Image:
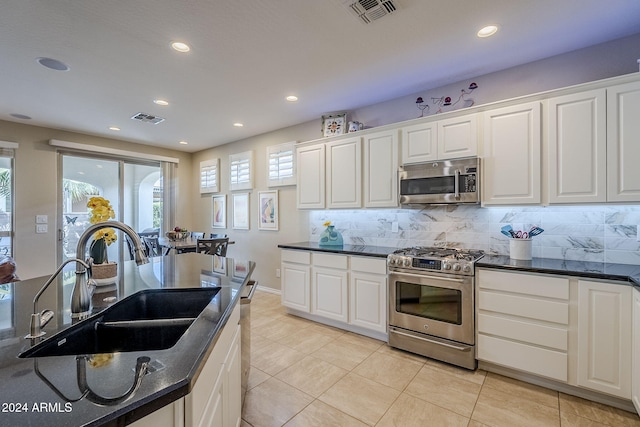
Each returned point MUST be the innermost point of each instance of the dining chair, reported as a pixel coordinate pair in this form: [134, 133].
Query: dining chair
[218, 236]
[212, 246]
[197, 235]
[153, 247]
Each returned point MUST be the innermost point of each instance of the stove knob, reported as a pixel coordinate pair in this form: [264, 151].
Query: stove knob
[456, 267]
[446, 266]
[407, 262]
[467, 269]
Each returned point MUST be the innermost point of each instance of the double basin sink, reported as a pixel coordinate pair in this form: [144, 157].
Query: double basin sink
[153, 319]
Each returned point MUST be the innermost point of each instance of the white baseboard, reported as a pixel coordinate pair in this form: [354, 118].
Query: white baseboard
[269, 290]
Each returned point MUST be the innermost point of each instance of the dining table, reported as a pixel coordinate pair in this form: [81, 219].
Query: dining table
[180, 246]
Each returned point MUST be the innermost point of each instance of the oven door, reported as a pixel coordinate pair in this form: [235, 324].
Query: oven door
[433, 304]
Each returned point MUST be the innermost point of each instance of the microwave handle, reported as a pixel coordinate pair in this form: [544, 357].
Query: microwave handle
[456, 184]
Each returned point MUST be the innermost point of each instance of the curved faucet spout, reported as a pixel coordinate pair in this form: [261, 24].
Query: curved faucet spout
[81, 297]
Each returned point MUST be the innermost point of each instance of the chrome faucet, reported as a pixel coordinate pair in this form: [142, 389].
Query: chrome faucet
[83, 287]
[81, 297]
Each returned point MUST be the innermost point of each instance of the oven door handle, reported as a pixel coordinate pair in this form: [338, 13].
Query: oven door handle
[425, 276]
[455, 347]
[456, 184]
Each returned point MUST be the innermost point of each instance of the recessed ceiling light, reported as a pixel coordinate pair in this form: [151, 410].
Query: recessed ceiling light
[114, 128]
[292, 98]
[180, 47]
[53, 64]
[20, 116]
[488, 31]
[161, 102]
[183, 142]
[238, 125]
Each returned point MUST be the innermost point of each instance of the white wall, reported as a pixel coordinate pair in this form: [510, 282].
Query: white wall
[598, 62]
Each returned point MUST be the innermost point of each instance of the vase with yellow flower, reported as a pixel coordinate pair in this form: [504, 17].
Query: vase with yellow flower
[330, 236]
[102, 211]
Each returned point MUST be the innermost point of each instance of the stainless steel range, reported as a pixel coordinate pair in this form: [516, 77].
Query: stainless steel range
[431, 303]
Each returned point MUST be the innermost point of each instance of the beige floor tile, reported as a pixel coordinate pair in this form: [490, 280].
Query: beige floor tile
[401, 354]
[361, 341]
[273, 403]
[306, 340]
[319, 414]
[572, 420]
[281, 327]
[476, 376]
[598, 412]
[274, 357]
[474, 423]
[505, 409]
[343, 354]
[533, 393]
[360, 397]
[409, 411]
[445, 390]
[311, 375]
[388, 370]
[256, 376]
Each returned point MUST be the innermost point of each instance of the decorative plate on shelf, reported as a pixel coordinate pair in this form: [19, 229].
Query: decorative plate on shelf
[334, 124]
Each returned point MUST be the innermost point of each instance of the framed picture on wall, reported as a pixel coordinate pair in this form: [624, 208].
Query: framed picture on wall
[268, 205]
[241, 211]
[219, 211]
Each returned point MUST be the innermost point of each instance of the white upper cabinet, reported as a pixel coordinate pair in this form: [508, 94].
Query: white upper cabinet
[623, 147]
[419, 143]
[458, 137]
[577, 147]
[381, 169]
[311, 173]
[511, 155]
[344, 173]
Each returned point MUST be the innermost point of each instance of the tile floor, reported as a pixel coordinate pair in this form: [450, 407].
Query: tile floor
[306, 374]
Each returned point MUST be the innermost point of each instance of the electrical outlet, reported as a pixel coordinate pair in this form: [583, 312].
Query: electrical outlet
[277, 272]
[638, 232]
[41, 228]
[394, 227]
[42, 219]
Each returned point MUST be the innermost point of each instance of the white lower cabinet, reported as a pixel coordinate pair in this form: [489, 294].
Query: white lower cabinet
[635, 352]
[604, 337]
[344, 290]
[215, 399]
[523, 322]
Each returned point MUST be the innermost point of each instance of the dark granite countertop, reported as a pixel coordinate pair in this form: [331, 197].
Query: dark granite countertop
[362, 250]
[595, 270]
[44, 391]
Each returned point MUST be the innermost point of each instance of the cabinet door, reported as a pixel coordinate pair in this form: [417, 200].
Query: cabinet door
[419, 143]
[344, 173]
[623, 149]
[232, 387]
[458, 137]
[511, 155]
[577, 148]
[635, 354]
[381, 169]
[368, 301]
[604, 337]
[311, 176]
[295, 286]
[329, 290]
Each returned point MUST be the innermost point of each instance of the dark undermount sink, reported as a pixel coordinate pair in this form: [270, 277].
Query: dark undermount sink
[152, 319]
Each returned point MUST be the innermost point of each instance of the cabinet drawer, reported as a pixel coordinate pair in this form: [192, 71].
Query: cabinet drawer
[536, 360]
[532, 308]
[531, 333]
[299, 257]
[369, 265]
[331, 261]
[529, 284]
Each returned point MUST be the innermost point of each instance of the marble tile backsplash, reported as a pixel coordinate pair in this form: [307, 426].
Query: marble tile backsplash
[604, 233]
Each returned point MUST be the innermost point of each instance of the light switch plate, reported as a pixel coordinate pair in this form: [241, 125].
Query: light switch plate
[394, 227]
[42, 219]
[41, 228]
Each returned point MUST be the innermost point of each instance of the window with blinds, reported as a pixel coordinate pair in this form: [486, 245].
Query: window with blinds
[241, 171]
[209, 174]
[281, 164]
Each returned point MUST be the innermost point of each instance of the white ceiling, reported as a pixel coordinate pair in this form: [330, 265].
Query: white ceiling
[247, 55]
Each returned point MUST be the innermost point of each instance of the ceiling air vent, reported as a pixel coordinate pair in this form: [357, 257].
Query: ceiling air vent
[147, 118]
[370, 10]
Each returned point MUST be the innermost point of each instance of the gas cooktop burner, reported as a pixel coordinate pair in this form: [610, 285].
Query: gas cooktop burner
[447, 260]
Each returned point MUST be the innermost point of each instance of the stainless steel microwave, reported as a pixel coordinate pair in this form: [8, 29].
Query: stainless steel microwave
[446, 181]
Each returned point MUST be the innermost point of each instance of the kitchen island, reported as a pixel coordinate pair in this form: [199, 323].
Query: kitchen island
[45, 390]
